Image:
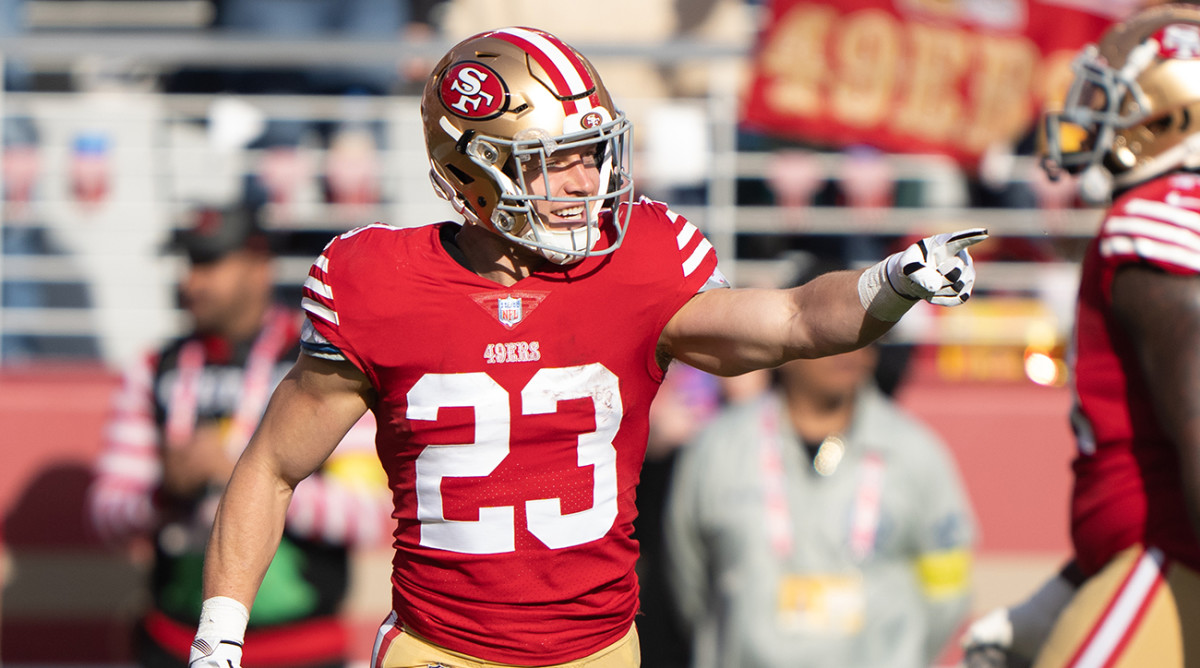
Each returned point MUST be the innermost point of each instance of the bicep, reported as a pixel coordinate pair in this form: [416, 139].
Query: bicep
[313, 407]
[727, 332]
[1161, 314]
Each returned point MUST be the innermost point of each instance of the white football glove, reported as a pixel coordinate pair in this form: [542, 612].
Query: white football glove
[218, 642]
[937, 269]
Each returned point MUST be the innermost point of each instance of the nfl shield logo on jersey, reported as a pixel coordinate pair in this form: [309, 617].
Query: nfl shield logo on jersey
[509, 310]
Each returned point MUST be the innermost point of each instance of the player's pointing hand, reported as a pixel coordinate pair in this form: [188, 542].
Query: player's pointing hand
[937, 269]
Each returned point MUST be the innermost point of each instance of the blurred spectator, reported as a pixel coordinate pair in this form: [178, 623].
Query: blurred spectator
[20, 167]
[352, 166]
[819, 524]
[18, 130]
[686, 401]
[180, 421]
[630, 80]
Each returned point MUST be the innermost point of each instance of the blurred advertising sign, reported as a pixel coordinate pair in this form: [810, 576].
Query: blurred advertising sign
[950, 77]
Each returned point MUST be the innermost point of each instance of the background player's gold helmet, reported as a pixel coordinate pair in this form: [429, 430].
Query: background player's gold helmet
[502, 98]
[1133, 109]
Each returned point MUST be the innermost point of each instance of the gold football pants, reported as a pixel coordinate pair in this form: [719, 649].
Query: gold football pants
[398, 647]
[1142, 609]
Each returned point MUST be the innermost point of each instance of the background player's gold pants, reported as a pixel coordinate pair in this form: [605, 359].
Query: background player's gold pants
[1141, 610]
[407, 650]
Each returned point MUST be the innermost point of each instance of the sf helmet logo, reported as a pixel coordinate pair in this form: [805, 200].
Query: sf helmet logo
[1180, 41]
[592, 120]
[474, 90]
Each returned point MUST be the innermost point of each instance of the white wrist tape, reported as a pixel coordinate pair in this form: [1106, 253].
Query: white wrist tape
[878, 297]
[223, 618]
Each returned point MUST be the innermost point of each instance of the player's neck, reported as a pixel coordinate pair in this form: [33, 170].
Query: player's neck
[493, 257]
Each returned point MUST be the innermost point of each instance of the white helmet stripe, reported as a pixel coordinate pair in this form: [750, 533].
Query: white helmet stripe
[567, 73]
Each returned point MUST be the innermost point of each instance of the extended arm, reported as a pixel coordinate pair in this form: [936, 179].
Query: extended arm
[1161, 313]
[729, 332]
[309, 413]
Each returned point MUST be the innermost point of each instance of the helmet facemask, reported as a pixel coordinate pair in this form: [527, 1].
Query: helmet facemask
[1100, 102]
[532, 155]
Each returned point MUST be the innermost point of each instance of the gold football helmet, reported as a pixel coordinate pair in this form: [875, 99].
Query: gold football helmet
[503, 98]
[1133, 109]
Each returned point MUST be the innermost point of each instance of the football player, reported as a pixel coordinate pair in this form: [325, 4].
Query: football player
[1130, 124]
[511, 360]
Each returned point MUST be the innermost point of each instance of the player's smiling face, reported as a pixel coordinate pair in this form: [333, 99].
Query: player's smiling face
[569, 174]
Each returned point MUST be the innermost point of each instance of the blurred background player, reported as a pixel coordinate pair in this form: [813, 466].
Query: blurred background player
[819, 524]
[1128, 128]
[180, 421]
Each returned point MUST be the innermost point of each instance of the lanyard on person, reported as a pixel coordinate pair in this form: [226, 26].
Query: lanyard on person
[865, 515]
[864, 525]
[183, 410]
[778, 520]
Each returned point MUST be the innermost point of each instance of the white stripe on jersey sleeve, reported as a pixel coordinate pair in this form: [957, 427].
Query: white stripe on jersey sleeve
[322, 263]
[1150, 249]
[1163, 211]
[685, 235]
[702, 250]
[313, 307]
[1154, 229]
[318, 287]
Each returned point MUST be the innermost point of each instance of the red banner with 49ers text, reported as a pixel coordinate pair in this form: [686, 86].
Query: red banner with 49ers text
[915, 76]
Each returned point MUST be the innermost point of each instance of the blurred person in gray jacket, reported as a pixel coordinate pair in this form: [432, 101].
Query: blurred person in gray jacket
[819, 525]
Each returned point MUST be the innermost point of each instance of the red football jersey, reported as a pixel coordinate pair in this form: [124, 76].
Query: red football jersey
[512, 425]
[1127, 483]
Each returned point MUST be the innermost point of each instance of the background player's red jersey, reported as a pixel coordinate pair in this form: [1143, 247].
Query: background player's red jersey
[512, 425]
[1128, 487]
